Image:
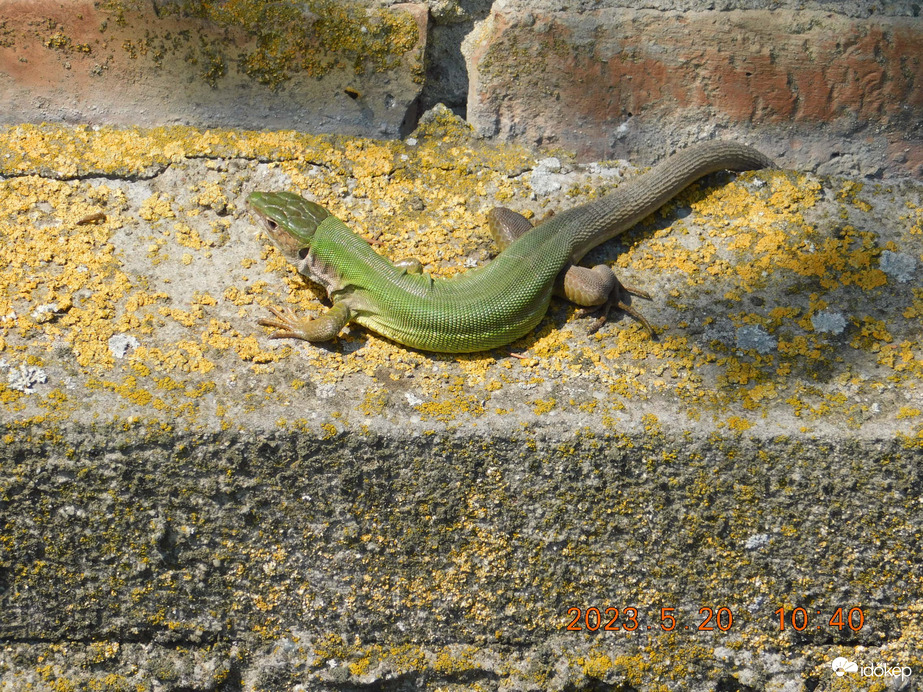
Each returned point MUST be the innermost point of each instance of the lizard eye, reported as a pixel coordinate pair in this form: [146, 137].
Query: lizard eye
[271, 224]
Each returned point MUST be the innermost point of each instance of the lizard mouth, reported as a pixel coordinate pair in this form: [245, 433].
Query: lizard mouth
[268, 223]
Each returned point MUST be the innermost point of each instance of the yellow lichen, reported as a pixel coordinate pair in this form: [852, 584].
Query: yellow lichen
[155, 208]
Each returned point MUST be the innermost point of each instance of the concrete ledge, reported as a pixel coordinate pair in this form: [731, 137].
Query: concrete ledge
[188, 505]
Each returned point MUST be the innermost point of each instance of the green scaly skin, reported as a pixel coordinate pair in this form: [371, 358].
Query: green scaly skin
[482, 308]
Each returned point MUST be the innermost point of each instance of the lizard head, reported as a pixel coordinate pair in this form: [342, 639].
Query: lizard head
[289, 220]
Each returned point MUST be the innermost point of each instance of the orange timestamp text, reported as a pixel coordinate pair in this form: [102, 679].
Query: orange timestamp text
[629, 619]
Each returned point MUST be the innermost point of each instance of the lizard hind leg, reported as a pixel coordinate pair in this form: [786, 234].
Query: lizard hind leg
[599, 290]
[410, 265]
[506, 226]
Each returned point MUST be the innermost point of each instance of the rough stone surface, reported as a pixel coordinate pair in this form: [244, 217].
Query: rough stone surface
[828, 86]
[823, 90]
[187, 505]
[334, 70]
[446, 72]
[848, 8]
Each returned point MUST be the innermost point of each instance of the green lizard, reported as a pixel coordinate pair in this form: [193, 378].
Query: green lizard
[484, 307]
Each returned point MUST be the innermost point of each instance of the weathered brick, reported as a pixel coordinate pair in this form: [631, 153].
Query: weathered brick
[356, 71]
[618, 81]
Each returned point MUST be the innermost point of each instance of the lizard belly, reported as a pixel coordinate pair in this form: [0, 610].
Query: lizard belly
[455, 327]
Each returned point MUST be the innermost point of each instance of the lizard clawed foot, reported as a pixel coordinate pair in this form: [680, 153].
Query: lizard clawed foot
[286, 322]
[322, 328]
[615, 300]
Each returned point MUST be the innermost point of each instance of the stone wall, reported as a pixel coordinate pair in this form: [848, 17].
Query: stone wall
[317, 66]
[825, 86]
[815, 86]
[187, 505]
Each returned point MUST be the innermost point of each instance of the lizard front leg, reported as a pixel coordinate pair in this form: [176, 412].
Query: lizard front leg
[322, 328]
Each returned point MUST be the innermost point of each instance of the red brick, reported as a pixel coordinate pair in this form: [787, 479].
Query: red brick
[73, 61]
[546, 77]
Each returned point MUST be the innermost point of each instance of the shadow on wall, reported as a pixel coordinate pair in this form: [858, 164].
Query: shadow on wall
[446, 71]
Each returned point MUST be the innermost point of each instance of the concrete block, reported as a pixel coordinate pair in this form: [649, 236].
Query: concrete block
[188, 505]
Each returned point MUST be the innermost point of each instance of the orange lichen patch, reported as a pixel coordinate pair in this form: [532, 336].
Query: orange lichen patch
[186, 356]
[187, 236]
[128, 389]
[542, 406]
[760, 394]
[872, 335]
[371, 160]
[867, 280]
[916, 227]
[235, 295]
[845, 260]
[187, 318]
[210, 196]
[551, 343]
[476, 367]
[849, 192]
[454, 399]
[779, 314]
[738, 424]
[35, 148]
[738, 221]
[838, 261]
[140, 299]
[905, 357]
[220, 335]
[51, 263]
[63, 151]
[204, 299]
[798, 345]
[737, 372]
[156, 207]
[249, 349]
[915, 310]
